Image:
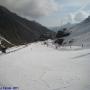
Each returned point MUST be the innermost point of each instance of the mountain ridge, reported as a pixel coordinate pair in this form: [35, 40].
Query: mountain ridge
[19, 30]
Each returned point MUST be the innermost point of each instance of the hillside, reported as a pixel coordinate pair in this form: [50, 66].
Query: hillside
[19, 30]
[80, 34]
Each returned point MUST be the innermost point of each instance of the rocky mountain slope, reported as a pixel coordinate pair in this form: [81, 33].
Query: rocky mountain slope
[18, 30]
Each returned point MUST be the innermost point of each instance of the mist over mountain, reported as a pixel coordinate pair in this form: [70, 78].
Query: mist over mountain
[60, 28]
[18, 30]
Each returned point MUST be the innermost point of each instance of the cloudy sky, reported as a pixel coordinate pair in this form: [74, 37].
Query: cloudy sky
[50, 12]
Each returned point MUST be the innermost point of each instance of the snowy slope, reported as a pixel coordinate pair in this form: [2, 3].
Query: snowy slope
[38, 67]
[80, 33]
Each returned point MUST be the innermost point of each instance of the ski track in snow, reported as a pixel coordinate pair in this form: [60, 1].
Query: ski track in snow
[38, 67]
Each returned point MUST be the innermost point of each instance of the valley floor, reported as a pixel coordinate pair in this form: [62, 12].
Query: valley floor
[38, 67]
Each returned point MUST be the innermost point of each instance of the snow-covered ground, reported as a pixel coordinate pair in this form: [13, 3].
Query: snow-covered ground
[38, 67]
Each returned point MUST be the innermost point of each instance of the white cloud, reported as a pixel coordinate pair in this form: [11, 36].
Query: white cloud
[76, 17]
[79, 1]
[80, 16]
[31, 8]
[70, 18]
